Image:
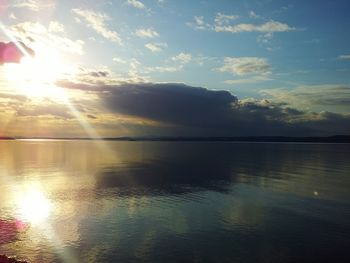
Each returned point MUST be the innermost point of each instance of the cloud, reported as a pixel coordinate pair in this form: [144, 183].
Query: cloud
[183, 58]
[164, 69]
[199, 23]
[331, 97]
[12, 53]
[38, 32]
[10, 96]
[136, 4]
[97, 21]
[268, 27]
[222, 24]
[53, 110]
[253, 79]
[56, 27]
[156, 47]
[146, 33]
[222, 19]
[197, 111]
[34, 5]
[344, 57]
[245, 65]
[253, 15]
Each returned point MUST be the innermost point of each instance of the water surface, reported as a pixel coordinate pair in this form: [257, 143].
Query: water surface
[86, 201]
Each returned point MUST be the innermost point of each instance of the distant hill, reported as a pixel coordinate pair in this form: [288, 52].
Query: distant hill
[6, 138]
[330, 139]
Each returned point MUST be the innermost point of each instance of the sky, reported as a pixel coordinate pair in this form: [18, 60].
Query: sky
[174, 68]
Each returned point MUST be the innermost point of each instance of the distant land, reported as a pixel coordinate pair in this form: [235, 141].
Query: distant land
[330, 139]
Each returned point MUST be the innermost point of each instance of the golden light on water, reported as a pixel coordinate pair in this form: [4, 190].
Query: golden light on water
[34, 207]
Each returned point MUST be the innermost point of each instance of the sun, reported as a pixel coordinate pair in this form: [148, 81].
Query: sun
[35, 76]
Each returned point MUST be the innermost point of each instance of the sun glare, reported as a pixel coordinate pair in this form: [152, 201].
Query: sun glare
[36, 76]
[34, 207]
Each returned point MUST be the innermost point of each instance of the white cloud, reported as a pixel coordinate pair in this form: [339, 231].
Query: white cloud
[222, 24]
[119, 60]
[156, 47]
[146, 33]
[97, 21]
[245, 65]
[253, 15]
[199, 23]
[136, 4]
[222, 19]
[268, 27]
[164, 69]
[33, 5]
[344, 57]
[56, 27]
[12, 16]
[40, 33]
[183, 58]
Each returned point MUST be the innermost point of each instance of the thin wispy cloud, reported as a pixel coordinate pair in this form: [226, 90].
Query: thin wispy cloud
[146, 33]
[33, 5]
[344, 57]
[268, 27]
[222, 19]
[136, 4]
[245, 65]
[97, 21]
[251, 80]
[156, 47]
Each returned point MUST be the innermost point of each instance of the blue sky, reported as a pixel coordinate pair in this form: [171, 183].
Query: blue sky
[264, 49]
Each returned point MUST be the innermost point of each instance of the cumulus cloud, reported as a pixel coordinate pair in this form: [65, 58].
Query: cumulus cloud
[156, 47]
[245, 65]
[182, 57]
[97, 21]
[146, 33]
[12, 53]
[56, 27]
[136, 4]
[331, 97]
[38, 32]
[199, 111]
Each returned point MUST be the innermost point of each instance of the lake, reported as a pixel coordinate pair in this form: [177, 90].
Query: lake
[109, 201]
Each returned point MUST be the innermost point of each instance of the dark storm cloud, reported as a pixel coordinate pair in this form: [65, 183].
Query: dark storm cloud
[199, 111]
[11, 53]
[171, 103]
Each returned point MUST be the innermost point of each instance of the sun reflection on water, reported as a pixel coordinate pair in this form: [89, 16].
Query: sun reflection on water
[34, 206]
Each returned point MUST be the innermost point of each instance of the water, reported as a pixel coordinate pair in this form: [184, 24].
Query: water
[83, 201]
